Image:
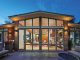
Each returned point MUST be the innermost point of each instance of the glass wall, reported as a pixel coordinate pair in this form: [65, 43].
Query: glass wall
[41, 34]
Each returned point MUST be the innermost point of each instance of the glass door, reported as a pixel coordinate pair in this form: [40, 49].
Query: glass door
[52, 39]
[44, 39]
[59, 39]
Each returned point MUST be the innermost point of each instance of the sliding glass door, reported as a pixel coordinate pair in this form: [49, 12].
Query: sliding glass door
[43, 39]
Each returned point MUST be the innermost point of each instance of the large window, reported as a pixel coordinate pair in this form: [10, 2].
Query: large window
[41, 34]
[21, 39]
[52, 22]
[36, 22]
[29, 22]
[44, 21]
[59, 23]
[21, 23]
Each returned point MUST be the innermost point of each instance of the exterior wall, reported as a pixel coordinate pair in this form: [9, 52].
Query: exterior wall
[11, 38]
[11, 33]
[1, 46]
[2, 41]
[66, 35]
[16, 38]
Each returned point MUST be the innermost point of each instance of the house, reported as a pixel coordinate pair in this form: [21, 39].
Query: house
[41, 30]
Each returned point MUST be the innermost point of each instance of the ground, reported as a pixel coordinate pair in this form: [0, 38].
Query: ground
[31, 56]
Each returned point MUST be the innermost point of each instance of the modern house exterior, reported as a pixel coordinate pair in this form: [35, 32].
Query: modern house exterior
[41, 30]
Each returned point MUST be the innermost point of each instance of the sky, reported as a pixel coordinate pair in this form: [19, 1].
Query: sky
[14, 7]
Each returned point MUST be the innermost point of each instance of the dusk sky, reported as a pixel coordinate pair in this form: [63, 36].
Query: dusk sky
[14, 7]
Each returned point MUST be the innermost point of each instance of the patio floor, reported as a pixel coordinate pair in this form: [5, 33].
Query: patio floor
[31, 56]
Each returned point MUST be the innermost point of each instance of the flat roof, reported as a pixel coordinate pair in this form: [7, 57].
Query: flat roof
[41, 14]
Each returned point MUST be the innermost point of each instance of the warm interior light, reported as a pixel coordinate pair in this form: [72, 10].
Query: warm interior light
[67, 18]
[65, 28]
[16, 28]
[15, 18]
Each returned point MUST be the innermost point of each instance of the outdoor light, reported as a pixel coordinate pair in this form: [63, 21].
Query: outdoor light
[67, 18]
[16, 28]
[16, 33]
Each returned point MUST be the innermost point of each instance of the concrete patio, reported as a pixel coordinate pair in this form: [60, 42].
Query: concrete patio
[31, 56]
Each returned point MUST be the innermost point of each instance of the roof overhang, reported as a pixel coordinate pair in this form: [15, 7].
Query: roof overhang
[74, 25]
[7, 26]
[41, 14]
